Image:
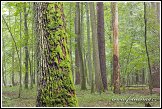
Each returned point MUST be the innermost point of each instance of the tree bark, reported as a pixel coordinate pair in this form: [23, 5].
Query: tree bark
[89, 46]
[20, 73]
[56, 88]
[96, 61]
[147, 53]
[13, 55]
[4, 62]
[71, 53]
[26, 47]
[77, 71]
[116, 67]
[81, 48]
[101, 43]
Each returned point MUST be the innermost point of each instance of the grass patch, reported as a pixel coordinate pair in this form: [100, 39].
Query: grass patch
[85, 98]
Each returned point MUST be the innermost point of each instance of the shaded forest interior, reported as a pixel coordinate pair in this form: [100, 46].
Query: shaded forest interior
[58, 54]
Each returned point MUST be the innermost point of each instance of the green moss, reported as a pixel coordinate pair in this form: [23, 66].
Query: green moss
[59, 89]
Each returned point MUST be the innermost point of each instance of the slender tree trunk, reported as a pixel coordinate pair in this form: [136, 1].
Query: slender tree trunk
[71, 41]
[111, 61]
[77, 71]
[33, 60]
[13, 55]
[31, 73]
[96, 61]
[147, 53]
[89, 46]
[20, 73]
[81, 48]
[13, 61]
[143, 76]
[101, 43]
[4, 62]
[56, 88]
[116, 67]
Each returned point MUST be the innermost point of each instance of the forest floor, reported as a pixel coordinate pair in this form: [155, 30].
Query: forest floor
[130, 97]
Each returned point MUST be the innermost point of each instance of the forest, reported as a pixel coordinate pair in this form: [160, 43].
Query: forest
[80, 54]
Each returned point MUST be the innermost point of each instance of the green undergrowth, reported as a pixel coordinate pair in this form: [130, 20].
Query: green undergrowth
[85, 98]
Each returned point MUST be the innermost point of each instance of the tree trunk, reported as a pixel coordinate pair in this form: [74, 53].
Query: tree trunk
[143, 76]
[96, 61]
[13, 55]
[26, 47]
[77, 71]
[147, 53]
[55, 87]
[101, 43]
[33, 60]
[20, 73]
[89, 46]
[4, 62]
[81, 48]
[116, 67]
[71, 41]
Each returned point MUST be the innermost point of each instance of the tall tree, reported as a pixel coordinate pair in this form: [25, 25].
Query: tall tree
[55, 87]
[80, 31]
[4, 63]
[77, 71]
[70, 11]
[116, 67]
[96, 62]
[26, 46]
[101, 43]
[147, 53]
[13, 58]
[88, 45]
[20, 73]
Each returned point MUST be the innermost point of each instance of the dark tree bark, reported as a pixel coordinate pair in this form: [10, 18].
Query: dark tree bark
[101, 43]
[77, 71]
[55, 88]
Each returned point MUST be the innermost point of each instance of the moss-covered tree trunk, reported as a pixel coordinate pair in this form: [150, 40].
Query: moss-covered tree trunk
[55, 86]
[116, 67]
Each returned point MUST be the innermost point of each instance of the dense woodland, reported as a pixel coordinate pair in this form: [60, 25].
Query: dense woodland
[61, 54]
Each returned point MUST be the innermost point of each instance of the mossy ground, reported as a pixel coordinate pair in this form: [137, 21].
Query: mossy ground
[85, 98]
